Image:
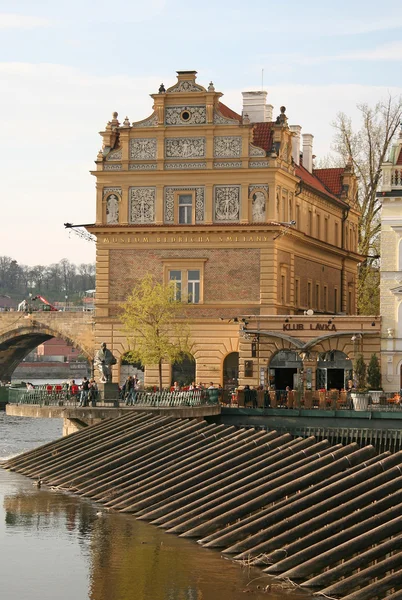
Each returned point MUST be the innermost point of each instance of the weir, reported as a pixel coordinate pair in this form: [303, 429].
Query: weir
[325, 516]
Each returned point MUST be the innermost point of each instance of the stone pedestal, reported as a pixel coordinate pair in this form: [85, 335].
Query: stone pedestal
[108, 391]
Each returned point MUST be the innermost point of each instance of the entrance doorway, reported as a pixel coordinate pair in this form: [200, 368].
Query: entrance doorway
[231, 371]
[335, 379]
[283, 370]
[184, 371]
[334, 369]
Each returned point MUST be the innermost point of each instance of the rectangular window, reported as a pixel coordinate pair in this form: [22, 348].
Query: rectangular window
[335, 300]
[325, 298]
[326, 229]
[283, 289]
[309, 294]
[310, 222]
[350, 301]
[336, 234]
[175, 278]
[317, 296]
[185, 209]
[318, 227]
[297, 292]
[193, 287]
[298, 222]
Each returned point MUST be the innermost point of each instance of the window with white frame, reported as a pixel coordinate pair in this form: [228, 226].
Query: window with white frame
[193, 286]
[185, 207]
[176, 280]
[187, 277]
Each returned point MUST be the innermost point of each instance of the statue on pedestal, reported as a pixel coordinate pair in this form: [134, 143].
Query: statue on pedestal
[104, 360]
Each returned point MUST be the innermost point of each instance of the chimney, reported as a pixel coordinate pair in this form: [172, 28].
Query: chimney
[296, 129]
[308, 151]
[255, 106]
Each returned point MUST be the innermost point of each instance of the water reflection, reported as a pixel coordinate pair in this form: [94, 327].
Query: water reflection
[110, 556]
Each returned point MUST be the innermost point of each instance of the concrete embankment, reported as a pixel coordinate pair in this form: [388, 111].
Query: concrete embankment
[328, 517]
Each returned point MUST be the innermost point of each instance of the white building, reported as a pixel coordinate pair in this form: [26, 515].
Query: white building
[391, 269]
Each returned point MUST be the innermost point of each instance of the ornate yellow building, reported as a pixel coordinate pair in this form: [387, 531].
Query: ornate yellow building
[223, 205]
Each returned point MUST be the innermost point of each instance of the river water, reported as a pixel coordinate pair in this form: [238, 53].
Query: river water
[55, 545]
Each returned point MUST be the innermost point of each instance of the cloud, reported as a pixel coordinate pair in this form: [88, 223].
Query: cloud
[15, 21]
[391, 51]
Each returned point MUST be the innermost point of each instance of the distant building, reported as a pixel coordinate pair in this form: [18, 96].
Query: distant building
[391, 268]
[7, 303]
[57, 349]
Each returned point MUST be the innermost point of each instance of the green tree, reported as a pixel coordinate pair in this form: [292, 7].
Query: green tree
[374, 373]
[360, 373]
[368, 147]
[154, 329]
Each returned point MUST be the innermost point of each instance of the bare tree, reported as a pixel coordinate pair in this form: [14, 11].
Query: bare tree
[368, 148]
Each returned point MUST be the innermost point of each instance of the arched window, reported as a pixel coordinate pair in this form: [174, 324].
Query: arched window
[130, 367]
[231, 371]
[183, 371]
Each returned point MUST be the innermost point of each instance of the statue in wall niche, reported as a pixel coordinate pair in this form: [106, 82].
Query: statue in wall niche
[258, 207]
[112, 209]
[103, 361]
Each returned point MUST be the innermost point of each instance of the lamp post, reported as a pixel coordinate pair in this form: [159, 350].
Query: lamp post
[66, 303]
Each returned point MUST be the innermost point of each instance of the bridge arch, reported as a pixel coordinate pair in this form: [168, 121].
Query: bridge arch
[21, 333]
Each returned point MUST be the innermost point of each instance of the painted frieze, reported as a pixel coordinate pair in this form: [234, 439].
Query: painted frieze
[143, 149]
[227, 203]
[227, 146]
[185, 115]
[189, 147]
[142, 204]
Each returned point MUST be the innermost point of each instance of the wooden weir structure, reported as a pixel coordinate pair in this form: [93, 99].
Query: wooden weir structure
[328, 517]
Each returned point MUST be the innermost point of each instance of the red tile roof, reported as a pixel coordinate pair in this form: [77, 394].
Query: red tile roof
[331, 179]
[399, 161]
[263, 135]
[311, 180]
[228, 112]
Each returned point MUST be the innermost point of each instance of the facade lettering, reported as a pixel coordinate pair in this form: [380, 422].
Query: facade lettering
[312, 326]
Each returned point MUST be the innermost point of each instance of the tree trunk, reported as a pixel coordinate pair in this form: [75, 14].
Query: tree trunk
[160, 375]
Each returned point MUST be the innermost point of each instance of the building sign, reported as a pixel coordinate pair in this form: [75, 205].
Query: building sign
[311, 326]
[196, 238]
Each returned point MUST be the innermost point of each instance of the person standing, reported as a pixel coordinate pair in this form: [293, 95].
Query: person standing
[84, 392]
[128, 390]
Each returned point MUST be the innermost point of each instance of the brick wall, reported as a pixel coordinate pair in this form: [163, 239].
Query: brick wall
[230, 274]
[309, 270]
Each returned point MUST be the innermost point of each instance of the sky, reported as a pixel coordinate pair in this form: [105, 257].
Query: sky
[66, 66]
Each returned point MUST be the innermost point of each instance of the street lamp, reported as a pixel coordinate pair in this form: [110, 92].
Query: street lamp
[66, 304]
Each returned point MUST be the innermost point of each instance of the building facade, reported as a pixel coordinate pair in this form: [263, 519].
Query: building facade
[391, 269]
[230, 209]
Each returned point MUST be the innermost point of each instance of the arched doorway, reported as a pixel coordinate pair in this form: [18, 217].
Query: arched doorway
[183, 371]
[231, 371]
[284, 369]
[130, 367]
[334, 369]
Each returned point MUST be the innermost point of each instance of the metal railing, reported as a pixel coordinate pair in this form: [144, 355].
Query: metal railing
[43, 395]
[185, 398]
[58, 395]
[317, 399]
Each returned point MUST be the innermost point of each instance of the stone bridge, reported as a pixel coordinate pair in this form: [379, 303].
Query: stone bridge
[21, 332]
